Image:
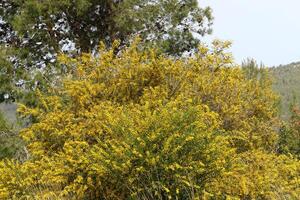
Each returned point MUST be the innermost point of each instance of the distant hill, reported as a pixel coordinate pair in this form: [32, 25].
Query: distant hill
[287, 84]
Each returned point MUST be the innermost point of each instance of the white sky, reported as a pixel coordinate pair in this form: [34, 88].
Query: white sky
[266, 30]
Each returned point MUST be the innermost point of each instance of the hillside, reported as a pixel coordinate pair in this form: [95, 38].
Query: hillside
[287, 84]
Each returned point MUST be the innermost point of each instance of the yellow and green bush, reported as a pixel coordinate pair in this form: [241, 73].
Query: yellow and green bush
[140, 125]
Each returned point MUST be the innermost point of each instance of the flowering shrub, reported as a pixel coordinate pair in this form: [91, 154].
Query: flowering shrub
[140, 125]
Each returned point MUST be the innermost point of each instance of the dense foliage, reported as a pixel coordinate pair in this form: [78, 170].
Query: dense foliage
[139, 125]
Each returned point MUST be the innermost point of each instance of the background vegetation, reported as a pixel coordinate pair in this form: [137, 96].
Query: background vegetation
[287, 85]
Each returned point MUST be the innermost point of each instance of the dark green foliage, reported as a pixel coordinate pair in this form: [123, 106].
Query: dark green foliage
[87, 22]
[11, 77]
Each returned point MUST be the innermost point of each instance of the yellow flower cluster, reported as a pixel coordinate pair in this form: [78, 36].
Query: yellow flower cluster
[140, 125]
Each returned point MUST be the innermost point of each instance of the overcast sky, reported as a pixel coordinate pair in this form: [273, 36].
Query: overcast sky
[266, 30]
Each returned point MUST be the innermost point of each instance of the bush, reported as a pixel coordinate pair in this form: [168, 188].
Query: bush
[139, 125]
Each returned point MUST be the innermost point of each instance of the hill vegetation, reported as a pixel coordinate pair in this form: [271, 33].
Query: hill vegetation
[287, 85]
